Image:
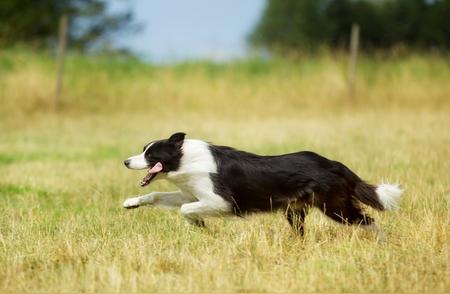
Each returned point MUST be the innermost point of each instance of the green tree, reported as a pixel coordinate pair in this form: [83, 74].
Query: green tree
[291, 24]
[304, 24]
[436, 25]
[36, 22]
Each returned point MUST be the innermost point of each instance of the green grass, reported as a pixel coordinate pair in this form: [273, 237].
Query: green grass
[62, 183]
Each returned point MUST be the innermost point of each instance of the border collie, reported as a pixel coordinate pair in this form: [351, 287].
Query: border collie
[219, 180]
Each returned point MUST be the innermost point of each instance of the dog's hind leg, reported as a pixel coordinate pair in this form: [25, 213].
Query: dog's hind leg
[349, 212]
[162, 199]
[346, 211]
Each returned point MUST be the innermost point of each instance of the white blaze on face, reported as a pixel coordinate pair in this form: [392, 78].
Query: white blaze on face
[139, 161]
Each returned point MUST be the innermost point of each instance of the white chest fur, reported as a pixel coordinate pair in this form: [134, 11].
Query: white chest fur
[197, 163]
[193, 176]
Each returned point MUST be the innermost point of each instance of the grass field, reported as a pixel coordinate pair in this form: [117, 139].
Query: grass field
[62, 183]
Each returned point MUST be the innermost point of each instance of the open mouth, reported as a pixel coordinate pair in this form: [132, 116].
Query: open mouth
[151, 174]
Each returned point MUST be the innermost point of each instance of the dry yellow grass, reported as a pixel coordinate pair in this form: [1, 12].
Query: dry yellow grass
[62, 228]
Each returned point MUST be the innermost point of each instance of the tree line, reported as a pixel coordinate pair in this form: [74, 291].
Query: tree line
[284, 24]
[306, 24]
[35, 22]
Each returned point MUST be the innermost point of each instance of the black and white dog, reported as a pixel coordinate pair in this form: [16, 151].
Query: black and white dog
[218, 180]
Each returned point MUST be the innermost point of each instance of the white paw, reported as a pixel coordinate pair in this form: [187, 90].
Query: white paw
[131, 203]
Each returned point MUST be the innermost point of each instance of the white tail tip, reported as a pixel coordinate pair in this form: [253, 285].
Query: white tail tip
[389, 195]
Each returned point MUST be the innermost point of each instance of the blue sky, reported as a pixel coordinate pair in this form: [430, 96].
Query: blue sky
[185, 29]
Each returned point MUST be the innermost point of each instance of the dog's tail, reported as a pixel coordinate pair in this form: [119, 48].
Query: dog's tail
[381, 197]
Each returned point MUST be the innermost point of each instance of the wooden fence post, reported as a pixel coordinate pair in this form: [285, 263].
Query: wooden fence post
[353, 59]
[62, 39]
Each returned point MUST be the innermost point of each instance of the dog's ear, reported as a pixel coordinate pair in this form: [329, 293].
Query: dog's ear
[177, 139]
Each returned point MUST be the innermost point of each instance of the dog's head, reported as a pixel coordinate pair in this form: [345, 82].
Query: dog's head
[160, 156]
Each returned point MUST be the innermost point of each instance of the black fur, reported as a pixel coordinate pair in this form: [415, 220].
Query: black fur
[292, 182]
[167, 151]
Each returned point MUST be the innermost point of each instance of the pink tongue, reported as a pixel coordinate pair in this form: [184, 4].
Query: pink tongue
[156, 168]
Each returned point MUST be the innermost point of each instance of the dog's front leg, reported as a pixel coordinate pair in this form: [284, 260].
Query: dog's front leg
[209, 203]
[163, 199]
[195, 212]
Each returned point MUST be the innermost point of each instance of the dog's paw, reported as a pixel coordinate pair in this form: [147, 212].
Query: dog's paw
[131, 203]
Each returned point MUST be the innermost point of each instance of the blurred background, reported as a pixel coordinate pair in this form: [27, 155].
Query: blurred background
[349, 45]
[84, 84]
[175, 30]
[94, 78]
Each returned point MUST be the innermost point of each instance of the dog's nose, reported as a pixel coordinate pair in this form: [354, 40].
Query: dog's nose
[126, 162]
